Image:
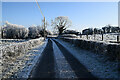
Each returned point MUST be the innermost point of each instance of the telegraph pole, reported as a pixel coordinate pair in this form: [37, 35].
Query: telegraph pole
[44, 29]
[43, 16]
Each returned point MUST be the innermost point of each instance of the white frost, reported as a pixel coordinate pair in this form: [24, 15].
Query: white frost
[93, 62]
[63, 67]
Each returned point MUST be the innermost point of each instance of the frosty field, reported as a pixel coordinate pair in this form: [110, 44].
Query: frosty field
[96, 63]
[14, 54]
[112, 37]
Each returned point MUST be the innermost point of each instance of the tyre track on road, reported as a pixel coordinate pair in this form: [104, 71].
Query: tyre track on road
[77, 67]
[57, 62]
[45, 67]
[63, 69]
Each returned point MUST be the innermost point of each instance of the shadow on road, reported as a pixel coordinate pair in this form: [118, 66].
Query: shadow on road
[45, 67]
[78, 68]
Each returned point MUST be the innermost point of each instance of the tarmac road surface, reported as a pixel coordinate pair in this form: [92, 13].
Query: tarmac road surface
[56, 62]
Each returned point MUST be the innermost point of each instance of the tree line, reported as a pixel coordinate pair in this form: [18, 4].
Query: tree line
[104, 30]
[60, 25]
[13, 31]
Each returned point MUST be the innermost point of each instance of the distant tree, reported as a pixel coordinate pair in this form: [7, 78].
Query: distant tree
[61, 23]
[88, 31]
[13, 31]
[23, 33]
[33, 32]
[1, 32]
[42, 28]
[115, 29]
[107, 28]
[39, 28]
[97, 31]
[71, 32]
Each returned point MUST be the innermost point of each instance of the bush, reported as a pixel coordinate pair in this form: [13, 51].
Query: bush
[13, 31]
[33, 32]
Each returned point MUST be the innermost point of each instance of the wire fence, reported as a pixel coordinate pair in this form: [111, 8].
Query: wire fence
[102, 37]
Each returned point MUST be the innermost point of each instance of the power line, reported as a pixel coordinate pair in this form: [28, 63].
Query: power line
[40, 8]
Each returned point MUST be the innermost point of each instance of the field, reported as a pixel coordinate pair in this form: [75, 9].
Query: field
[10, 41]
[14, 54]
[107, 38]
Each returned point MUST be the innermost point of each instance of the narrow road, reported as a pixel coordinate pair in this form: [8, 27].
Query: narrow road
[58, 62]
[45, 67]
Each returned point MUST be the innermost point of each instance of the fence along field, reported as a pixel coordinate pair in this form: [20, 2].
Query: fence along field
[112, 37]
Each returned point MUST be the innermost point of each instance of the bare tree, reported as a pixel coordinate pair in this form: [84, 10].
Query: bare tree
[61, 23]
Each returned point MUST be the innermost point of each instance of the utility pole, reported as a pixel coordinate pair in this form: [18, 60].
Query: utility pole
[44, 29]
[43, 16]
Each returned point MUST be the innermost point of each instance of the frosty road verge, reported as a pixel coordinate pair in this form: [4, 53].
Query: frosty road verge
[58, 62]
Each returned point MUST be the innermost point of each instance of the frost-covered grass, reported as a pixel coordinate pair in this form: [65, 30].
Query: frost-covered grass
[13, 55]
[98, 37]
[30, 59]
[97, 64]
[11, 41]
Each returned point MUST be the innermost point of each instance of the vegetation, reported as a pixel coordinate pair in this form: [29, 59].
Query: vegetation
[104, 30]
[61, 23]
[13, 31]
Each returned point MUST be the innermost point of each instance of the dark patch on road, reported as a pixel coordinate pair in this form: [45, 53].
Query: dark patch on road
[78, 68]
[45, 67]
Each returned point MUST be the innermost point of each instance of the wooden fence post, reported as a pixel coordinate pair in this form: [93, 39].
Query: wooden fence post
[102, 36]
[87, 36]
[94, 36]
[118, 38]
[80, 35]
